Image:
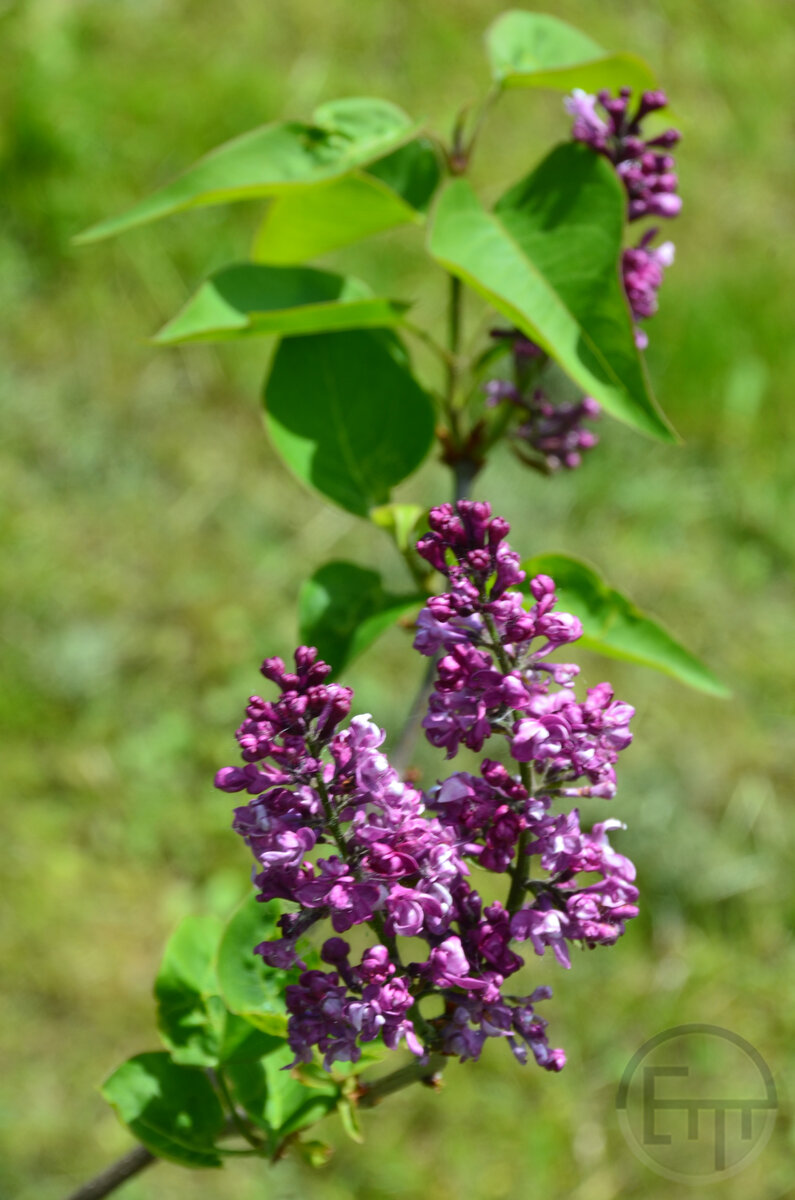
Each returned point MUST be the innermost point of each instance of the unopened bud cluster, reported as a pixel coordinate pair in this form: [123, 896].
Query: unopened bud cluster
[647, 170]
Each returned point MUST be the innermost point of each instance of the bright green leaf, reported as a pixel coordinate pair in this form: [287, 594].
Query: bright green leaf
[172, 1109]
[391, 192]
[345, 134]
[400, 521]
[547, 258]
[529, 49]
[190, 1015]
[347, 415]
[248, 985]
[614, 626]
[247, 299]
[343, 608]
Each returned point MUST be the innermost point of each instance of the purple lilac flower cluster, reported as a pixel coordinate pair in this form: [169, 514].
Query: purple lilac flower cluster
[647, 171]
[400, 862]
[549, 436]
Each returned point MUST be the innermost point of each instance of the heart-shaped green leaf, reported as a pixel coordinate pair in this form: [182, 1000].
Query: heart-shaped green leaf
[343, 608]
[529, 49]
[343, 135]
[394, 191]
[248, 300]
[347, 415]
[172, 1109]
[547, 258]
[614, 626]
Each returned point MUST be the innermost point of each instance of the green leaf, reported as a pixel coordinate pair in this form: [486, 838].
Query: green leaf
[248, 985]
[190, 1015]
[391, 192]
[547, 258]
[172, 1109]
[347, 415]
[276, 1099]
[614, 626]
[344, 134]
[343, 608]
[528, 49]
[400, 521]
[246, 299]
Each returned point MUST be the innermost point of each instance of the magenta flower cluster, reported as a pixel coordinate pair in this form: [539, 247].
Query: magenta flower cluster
[646, 168]
[549, 436]
[340, 836]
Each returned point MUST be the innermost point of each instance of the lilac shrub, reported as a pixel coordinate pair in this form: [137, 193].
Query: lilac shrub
[400, 860]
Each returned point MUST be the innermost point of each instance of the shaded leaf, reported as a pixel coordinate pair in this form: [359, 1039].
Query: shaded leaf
[547, 258]
[191, 1016]
[343, 608]
[391, 192]
[614, 626]
[172, 1109]
[276, 1099]
[344, 134]
[529, 49]
[248, 985]
[246, 299]
[347, 415]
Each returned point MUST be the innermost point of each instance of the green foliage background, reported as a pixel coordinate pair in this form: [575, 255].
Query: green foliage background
[154, 548]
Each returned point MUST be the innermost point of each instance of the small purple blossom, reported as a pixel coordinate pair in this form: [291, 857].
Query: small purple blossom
[644, 166]
[338, 836]
[646, 170]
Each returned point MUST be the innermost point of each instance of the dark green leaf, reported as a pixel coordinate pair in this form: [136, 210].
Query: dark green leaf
[391, 192]
[246, 299]
[547, 258]
[343, 608]
[190, 1015]
[412, 172]
[248, 985]
[347, 415]
[345, 134]
[614, 626]
[172, 1109]
[529, 49]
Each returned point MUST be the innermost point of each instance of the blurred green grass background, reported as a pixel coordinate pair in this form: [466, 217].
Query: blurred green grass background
[154, 547]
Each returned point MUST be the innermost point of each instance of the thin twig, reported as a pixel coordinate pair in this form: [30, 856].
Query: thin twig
[115, 1175]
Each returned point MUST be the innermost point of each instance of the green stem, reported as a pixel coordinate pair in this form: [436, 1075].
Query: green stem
[240, 1125]
[416, 1072]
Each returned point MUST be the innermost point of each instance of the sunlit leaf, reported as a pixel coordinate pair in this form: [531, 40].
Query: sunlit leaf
[247, 300]
[616, 627]
[547, 258]
[530, 49]
[394, 191]
[343, 135]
